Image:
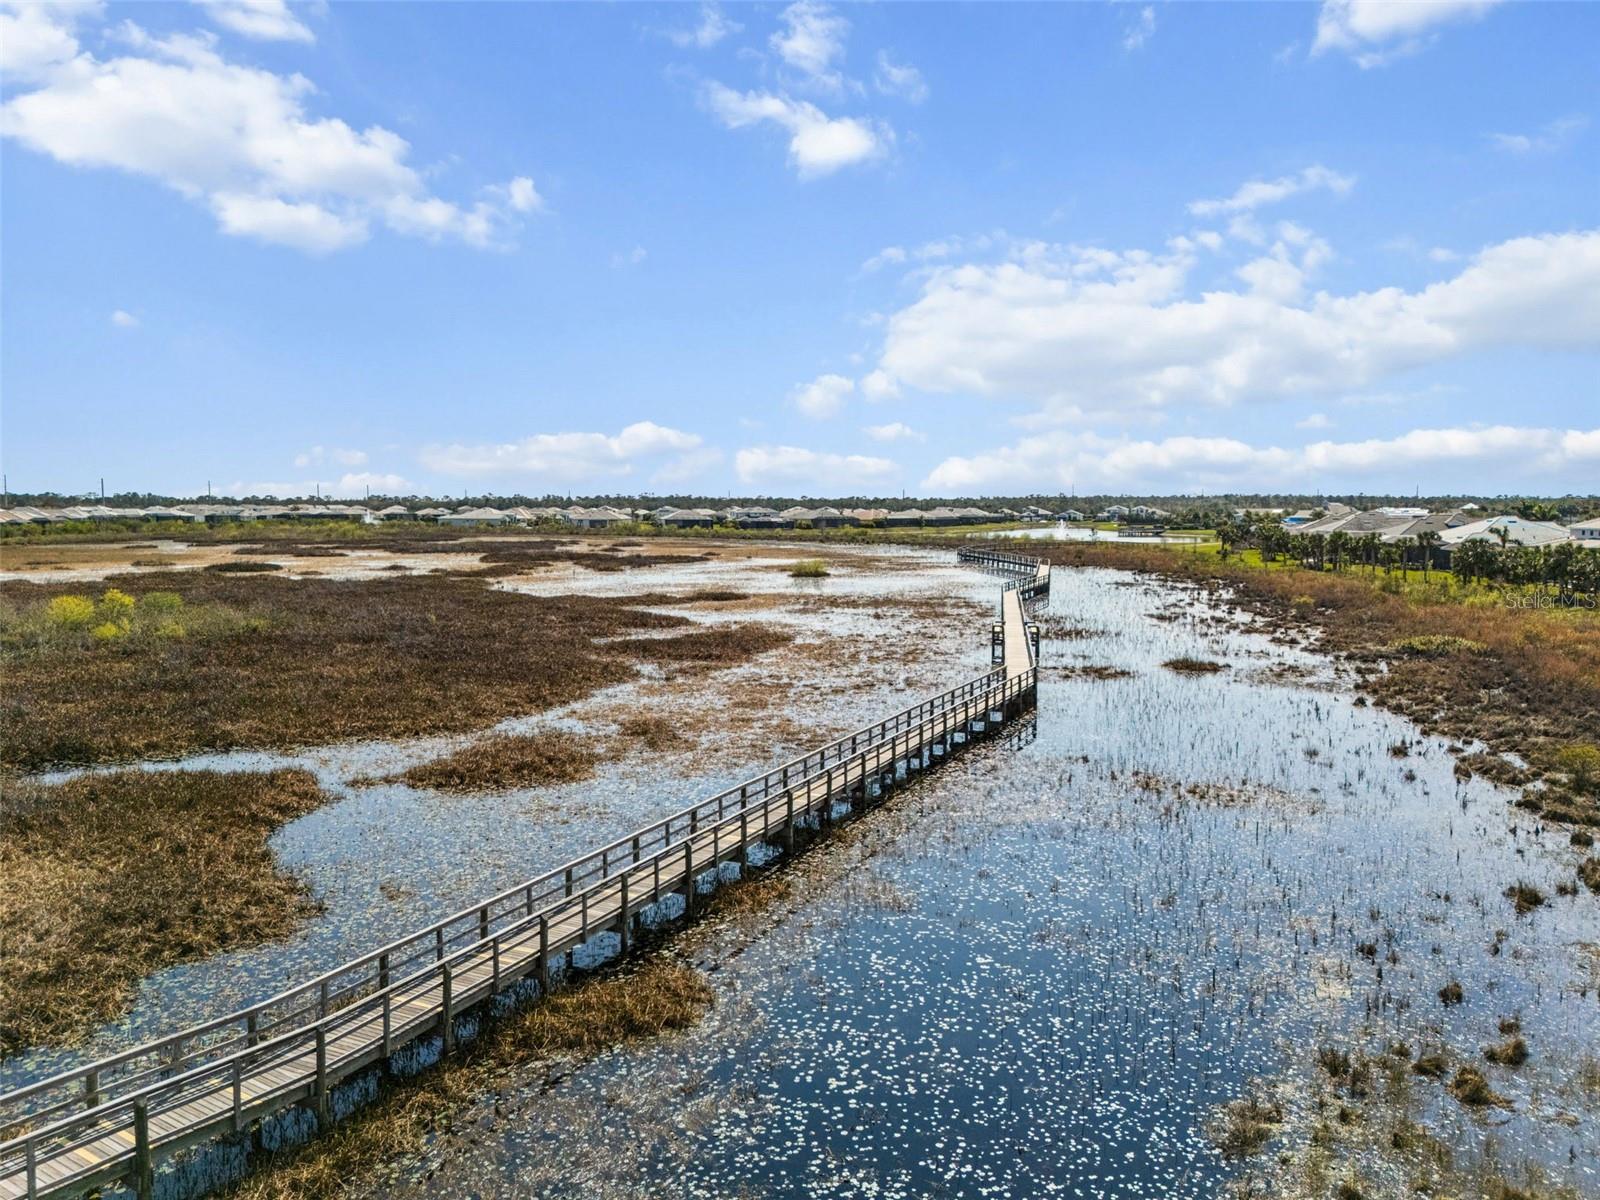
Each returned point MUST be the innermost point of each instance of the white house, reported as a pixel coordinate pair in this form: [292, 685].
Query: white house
[1587, 532]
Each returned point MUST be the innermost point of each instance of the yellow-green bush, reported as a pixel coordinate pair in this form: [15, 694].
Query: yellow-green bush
[115, 605]
[1581, 762]
[107, 631]
[74, 612]
[161, 602]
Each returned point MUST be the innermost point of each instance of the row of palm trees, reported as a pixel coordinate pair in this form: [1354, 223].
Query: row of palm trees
[1566, 570]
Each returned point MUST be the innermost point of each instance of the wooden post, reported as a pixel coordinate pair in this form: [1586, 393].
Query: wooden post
[744, 842]
[383, 970]
[238, 1092]
[788, 828]
[251, 1036]
[483, 922]
[91, 1089]
[33, 1171]
[494, 950]
[544, 955]
[624, 921]
[688, 878]
[447, 1017]
[388, 1026]
[144, 1181]
[322, 1078]
[438, 944]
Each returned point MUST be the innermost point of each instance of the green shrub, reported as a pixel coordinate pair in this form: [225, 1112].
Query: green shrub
[107, 631]
[1581, 762]
[161, 602]
[71, 612]
[1303, 604]
[809, 568]
[1433, 645]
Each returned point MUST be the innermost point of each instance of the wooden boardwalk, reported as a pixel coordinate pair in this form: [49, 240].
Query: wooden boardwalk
[113, 1120]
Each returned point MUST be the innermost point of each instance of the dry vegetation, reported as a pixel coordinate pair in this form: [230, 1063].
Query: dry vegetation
[318, 660]
[1524, 680]
[506, 762]
[657, 996]
[109, 877]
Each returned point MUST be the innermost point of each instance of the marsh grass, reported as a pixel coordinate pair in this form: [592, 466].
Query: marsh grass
[110, 877]
[286, 662]
[655, 997]
[809, 568]
[1193, 666]
[507, 762]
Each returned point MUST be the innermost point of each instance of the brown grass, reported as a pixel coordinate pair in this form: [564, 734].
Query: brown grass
[652, 731]
[658, 996]
[1244, 1127]
[1193, 666]
[110, 877]
[506, 762]
[720, 646]
[321, 660]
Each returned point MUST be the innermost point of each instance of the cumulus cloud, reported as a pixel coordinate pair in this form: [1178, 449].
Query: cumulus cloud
[124, 320]
[811, 41]
[237, 139]
[1556, 135]
[811, 469]
[1071, 327]
[1314, 421]
[1375, 32]
[565, 457]
[1140, 30]
[818, 144]
[823, 396]
[894, 431]
[1062, 460]
[262, 20]
[899, 79]
[712, 28]
[1259, 192]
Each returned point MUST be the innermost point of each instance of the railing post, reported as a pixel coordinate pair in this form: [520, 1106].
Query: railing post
[688, 878]
[438, 944]
[544, 955]
[322, 1078]
[144, 1183]
[494, 949]
[383, 970]
[388, 1026]
[447, 1015]
[322, 999]
[238, 1093]
[91, 1089]
[622, 917]
[251, 1032]
[788, 829]
[33, 1170]
[483, 922]
[569, 881]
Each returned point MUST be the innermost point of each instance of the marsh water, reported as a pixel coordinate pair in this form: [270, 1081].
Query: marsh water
[1039, 970]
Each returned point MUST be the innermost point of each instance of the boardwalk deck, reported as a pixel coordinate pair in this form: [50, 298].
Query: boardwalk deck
[113, 1119]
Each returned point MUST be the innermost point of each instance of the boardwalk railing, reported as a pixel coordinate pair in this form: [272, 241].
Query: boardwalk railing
[107, 1120]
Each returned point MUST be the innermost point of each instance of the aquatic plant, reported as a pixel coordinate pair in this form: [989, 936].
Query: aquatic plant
[1512, 1052]
[1471, 1088]
[809, 568]
[1193, 666]
[1525, 896]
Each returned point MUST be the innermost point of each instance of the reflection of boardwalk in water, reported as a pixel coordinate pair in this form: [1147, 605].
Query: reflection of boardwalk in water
[112, 1120]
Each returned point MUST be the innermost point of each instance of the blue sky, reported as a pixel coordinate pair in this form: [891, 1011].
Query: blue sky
[802, 248]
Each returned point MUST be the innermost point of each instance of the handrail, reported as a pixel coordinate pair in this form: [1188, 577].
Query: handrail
[94, 1122]
[319, 993]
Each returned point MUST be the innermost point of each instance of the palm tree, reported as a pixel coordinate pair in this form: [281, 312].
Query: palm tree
[1427, 540]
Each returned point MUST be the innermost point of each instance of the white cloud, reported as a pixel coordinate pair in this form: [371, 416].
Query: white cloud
[1554, 136]
[318, 455]
[565, 457]
[124, 320]
[688, 467]
[895, 431]
[1063, 460]
[879, 385]
[713, 27]
[630, 258]
[818, 144]
[899, 79]
[823, 396]
[1258, 192]
[37, 38]
[1314, 421]
[1375, 32]
[1140, 30]
[263, 20]
[1070, 327]
[347, 486]
[237, 139]
[811, 39]
[812, 469]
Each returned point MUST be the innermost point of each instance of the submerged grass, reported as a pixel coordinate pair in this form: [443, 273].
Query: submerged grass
[1468, 665]
[109, 877]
